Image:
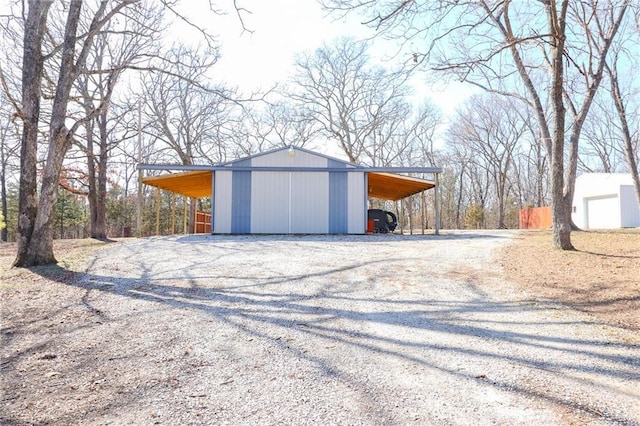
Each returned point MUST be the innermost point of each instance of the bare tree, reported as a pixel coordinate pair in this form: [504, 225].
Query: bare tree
[68, 55]
[555, 47]
[279, 124]
[490, 129]
[601, 143]
[423, 133]
[35, 243]
[532, 166]
[349, 99]
[629, 138]
[116, 48]
[9, 148]
[188, 118]
[187, 115]
[455, 189]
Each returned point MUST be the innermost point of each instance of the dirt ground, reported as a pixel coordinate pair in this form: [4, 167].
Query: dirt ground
[601, 277]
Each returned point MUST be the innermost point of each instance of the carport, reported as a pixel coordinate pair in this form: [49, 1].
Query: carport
[198, 184]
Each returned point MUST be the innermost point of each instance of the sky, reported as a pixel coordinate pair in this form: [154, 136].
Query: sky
[280, 29]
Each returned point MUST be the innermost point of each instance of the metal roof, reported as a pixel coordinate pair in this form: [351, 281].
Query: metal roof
[383, 182]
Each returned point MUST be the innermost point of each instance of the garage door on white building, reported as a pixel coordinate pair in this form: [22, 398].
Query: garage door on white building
[601, 212]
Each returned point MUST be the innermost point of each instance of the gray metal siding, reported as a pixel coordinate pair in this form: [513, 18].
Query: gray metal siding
[213, 201]
[338, 200]
[222, 194]
[309, 207]
[285, 159]
[357, 183]
[241, 200]
[270, 203]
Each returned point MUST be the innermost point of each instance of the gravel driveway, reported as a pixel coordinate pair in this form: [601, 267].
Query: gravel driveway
[379, 329]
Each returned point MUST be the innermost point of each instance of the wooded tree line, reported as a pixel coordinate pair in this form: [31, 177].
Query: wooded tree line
[92, 88]
[551, 55]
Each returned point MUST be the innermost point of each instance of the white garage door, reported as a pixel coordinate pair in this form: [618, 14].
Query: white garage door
[603, 212]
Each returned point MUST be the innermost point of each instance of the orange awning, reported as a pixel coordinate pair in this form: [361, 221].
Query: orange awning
[197, 184]
[192, 184]
[389, 186]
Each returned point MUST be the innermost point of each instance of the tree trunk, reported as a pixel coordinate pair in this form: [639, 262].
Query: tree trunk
[459, 199]
[32, 68]
[3, 194]
[500, 185]
[561, 228]
[629, 152]
[633, 166]
[40, 251]
[100, 230]
[570, 182]
[97, 168]
[36, 247]
[539, 179]
[191, 223]
[91, 178]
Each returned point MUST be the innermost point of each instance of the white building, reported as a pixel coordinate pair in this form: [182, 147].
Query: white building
[605, 201]
[290, 190]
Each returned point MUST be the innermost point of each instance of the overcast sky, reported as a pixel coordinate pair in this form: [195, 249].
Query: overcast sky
[282, 28]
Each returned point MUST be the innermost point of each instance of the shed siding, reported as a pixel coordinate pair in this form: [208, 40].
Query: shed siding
[222, 204]
[284, 159]
[629, 207]
[338, 199]
[289, 201]
[338, 203]
[357, 203]
[270, 207]
[309, 208]
[241, 203]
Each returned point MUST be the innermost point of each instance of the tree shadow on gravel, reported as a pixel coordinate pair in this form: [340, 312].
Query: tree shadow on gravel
[365, 238]
[348, 320]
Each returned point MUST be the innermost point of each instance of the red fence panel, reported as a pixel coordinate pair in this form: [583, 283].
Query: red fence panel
[202, 223]
[535, 218]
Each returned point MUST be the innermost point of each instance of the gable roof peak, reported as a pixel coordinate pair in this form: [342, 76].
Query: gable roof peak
[287, 148]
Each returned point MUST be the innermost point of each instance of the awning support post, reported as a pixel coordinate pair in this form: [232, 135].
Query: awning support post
[423, 208]
[437, 204]
[184, 216]
[173, 213]
[158, 212]
[213, 200]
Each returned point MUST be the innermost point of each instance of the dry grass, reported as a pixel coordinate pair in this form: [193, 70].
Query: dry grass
[71, 256]
[601, 277]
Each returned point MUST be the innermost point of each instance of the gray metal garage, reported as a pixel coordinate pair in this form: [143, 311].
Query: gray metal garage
[290, 190]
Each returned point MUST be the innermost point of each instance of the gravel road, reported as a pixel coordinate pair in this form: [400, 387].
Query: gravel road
[360, 330]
